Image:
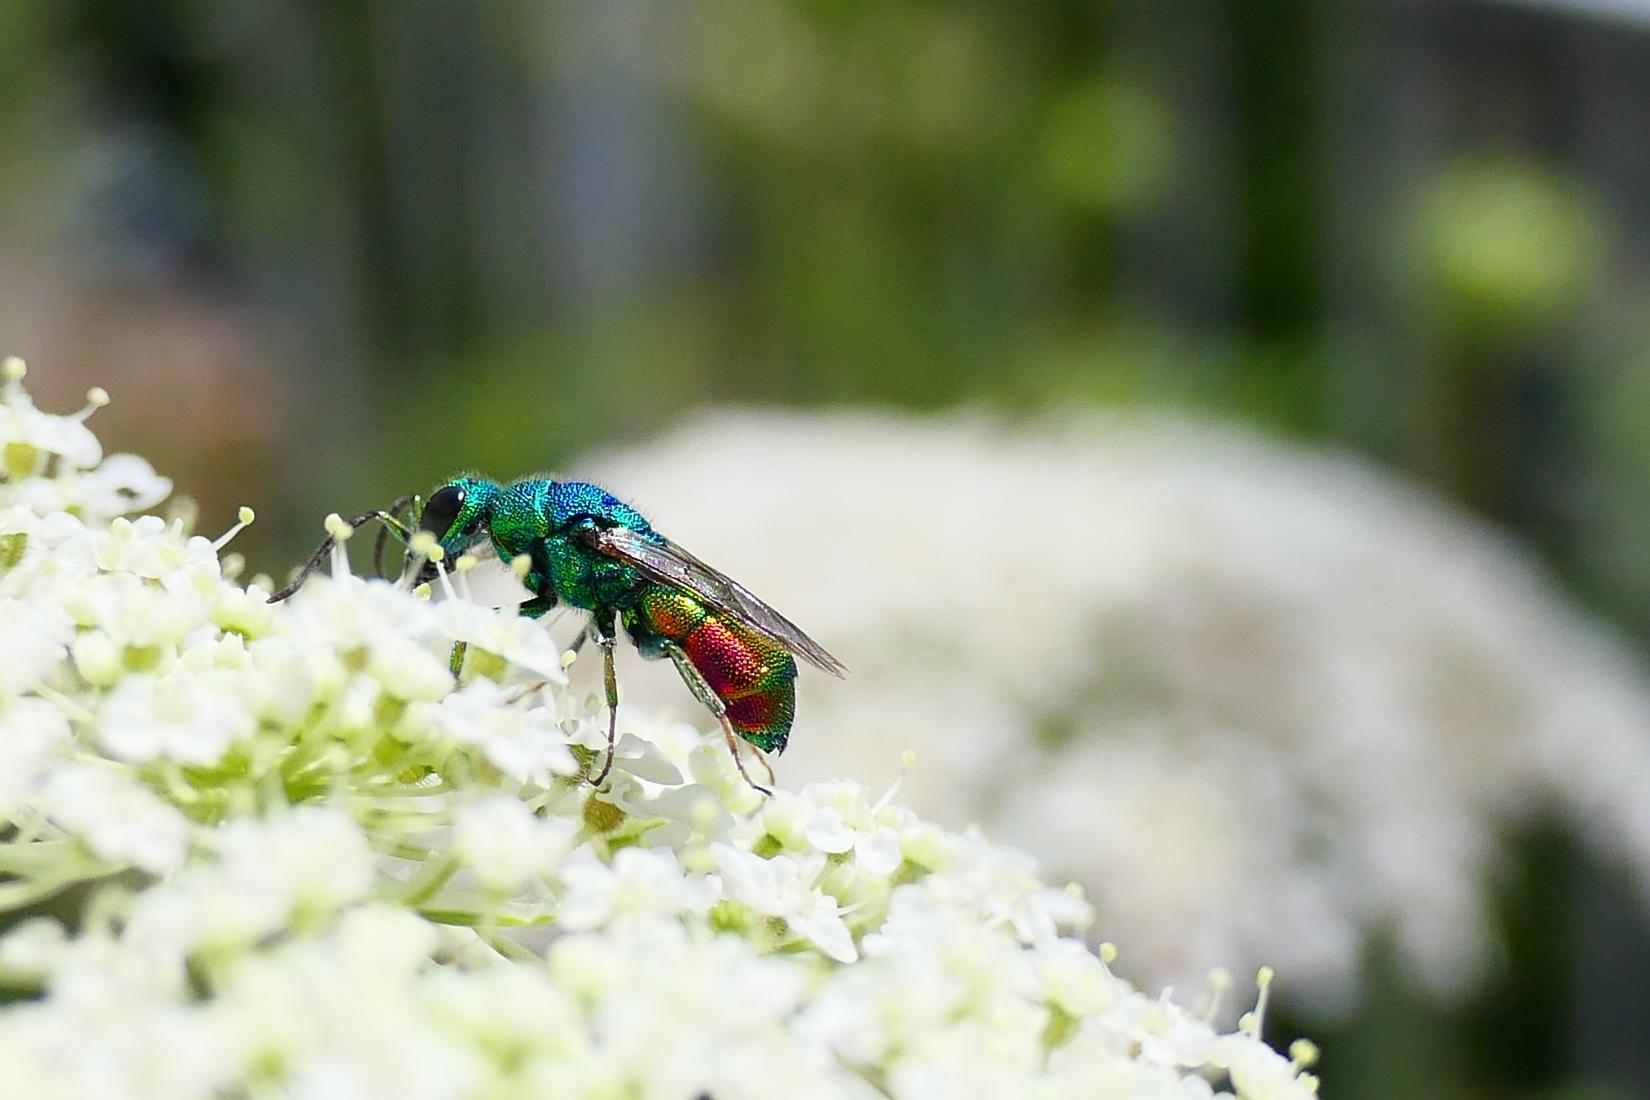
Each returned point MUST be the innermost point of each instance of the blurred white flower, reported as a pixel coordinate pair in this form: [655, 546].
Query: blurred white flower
[1266, 703]
[316, 857]
[32, 734]
[638, 882]
[524, 743]
[121, 483]
[145, 547]
[507, 846]
[183, 716]
[33, 639]
[30, 440]
[781, 886]
[521, 641]
[295, 869]
[116, 817]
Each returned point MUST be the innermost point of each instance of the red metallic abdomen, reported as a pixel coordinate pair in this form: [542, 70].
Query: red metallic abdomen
[754, 677]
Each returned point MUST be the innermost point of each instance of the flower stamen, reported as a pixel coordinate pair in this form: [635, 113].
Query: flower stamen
[339, 530]
[462, 566]
[96, 398]
[906, 759]
[244, 519]
[13, 369]
[422, 547]
[1220, 983]
[426, 547]
[1254, 1022]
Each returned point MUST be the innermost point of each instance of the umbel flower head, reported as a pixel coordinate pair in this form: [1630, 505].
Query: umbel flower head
[1267, 703]
[287, 853]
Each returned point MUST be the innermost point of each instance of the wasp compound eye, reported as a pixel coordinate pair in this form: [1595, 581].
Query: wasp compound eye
[442, 509]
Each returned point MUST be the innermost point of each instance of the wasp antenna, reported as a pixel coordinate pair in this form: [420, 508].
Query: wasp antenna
[378, 550]
[338, 531]
[310, 566]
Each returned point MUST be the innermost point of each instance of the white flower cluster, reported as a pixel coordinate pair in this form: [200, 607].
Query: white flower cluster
[1266, 703]
[303, 860]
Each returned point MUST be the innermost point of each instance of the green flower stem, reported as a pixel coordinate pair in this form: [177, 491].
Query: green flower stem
[505, 946]
[27, 859]
[469, 918]
[25, 892]
[424, 886]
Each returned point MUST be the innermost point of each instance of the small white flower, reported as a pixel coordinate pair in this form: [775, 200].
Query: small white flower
[691, 809]
[1258, 1071]
[783, 887]
[828, 832]
[33, 949]
[145, 547]
[352, 615]
[288, 678]
[245, 611]
[25, 429]
[202, 910]
[183, 716]
[523, 642]
[116, 817]
[525, 744]
[32, 731]
[34, 637]
[120, 484]
[97, 658]
[136, 613]
[639, 882]
[294, 869]
[875, 846]
[505, 844]
[408, 670]
[642, 759]
[878, 851]
[318, 857]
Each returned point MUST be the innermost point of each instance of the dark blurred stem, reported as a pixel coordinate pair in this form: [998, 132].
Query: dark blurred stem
[1279, 78]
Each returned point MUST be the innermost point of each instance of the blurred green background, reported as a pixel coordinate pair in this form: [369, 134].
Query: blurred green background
[325, 253]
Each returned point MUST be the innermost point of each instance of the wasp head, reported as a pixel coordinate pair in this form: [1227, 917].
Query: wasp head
[457, 514]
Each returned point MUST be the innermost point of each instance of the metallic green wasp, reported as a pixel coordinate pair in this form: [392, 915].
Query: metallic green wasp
[584, 548]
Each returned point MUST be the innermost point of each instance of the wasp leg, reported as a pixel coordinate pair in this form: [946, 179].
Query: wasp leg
[697, 684]
[390, 522]
[762, 758]
[537, 607]
[602, 629]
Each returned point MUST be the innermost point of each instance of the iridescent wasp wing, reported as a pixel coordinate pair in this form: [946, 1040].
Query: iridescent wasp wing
[665, 561]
